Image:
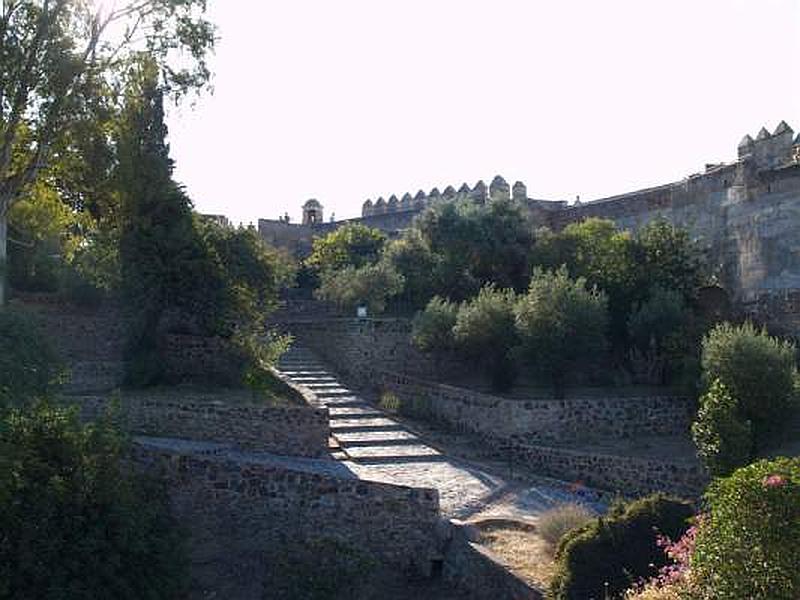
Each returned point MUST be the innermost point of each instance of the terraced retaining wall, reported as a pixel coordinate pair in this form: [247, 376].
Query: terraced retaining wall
[240, 513]
[292, 431]
[541, 420]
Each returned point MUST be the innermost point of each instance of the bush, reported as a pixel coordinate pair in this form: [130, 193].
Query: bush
[353, 245]
[486, 334]
[758, 370]
[432, 328]
[747, 546]
[604, 557]
[75, 523]
[562, 325]
[29, 367]
[724, 441]
[556, 522]
[371, 285]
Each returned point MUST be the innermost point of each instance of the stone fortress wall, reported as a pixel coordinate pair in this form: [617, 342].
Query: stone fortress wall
[745, 214]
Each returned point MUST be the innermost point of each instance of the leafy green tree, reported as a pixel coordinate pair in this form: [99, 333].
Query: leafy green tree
[659, 332]
[76, 523]
[411, 256]
[29, 366]
[724, 440]
[476, 245]
[746, 546]
[486, 334]
[58, 56]
[759, 371]
[562, 325]
[370, 285]
[669, 258]
[597, 251]
[352, 245]
[432, 329]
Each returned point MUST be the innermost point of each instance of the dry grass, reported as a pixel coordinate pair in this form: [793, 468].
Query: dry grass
[521, 548]
[554, 523]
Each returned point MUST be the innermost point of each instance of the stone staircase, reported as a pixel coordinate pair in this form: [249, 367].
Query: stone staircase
[375, 446]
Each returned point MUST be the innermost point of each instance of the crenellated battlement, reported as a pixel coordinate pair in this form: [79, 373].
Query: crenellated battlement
[497, 190]
[771, 150]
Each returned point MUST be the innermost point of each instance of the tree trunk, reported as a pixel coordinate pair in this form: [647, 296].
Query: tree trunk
[3, 255]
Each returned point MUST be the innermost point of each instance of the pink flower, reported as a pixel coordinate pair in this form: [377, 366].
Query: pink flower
[773, 481]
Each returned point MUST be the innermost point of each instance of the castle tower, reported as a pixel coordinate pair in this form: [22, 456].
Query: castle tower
[519, 192]
[499, 189]
[312, 212]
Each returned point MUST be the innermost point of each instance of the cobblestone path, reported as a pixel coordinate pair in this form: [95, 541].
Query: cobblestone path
[375, 446]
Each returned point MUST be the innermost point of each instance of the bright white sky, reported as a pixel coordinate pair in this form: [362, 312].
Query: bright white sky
[353, 99]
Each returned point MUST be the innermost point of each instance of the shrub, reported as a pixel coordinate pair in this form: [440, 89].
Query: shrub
[562, 325]
[371, 285]
[485, 332]
[432, 329]
[604, 557]
[758, 370]
[29, 367]
[724, 440]
[75, 523]
[747, 547]
[555, 522]
[353, 245]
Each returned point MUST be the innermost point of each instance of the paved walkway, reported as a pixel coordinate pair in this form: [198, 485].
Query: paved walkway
[375, 446]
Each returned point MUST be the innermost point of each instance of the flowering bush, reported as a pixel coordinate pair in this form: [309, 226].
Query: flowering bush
[748, 545]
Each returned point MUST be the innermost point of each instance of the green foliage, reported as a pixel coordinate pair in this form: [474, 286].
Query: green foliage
[746, 546]
[485, 333]
[474, 245]
[412, 258]
[669, 258]
[623, 266]
[659, 332]
[29, 367]
[562, 326]
[432, 328]
[371, 285]
[180, 272]
[757, 369]
[603, 558]
[75, 523]
[352, 245]
[724, 440]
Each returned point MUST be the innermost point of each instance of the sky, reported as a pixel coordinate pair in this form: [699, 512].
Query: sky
[355, 99]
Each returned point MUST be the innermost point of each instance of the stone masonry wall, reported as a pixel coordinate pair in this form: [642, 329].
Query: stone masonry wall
[632, 476]
[543, 421]
[291, 431]
[239, 513]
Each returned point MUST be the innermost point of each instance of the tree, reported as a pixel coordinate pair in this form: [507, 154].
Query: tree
[562, 324]
[432, 328]
[371, 286]
[58, 56]
[352, 245]
[724, 440]
[669, 258]
[485, 333]
[76, 521]
[757, 369]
